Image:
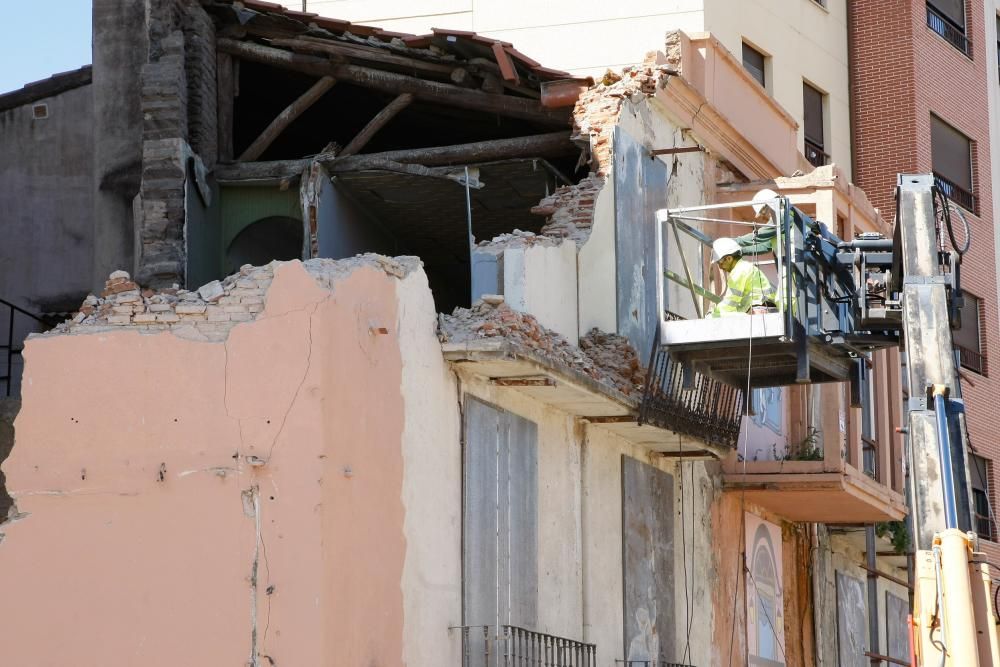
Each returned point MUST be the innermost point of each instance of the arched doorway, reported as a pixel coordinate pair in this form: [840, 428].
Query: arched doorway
[270, 238]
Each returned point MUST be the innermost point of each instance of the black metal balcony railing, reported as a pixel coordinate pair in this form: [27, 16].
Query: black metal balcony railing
[511, 646]
[815, 154]
[972, 360]
[954, 34]
[12, 347]
[956, 193]
[698, 405]
[649, 663]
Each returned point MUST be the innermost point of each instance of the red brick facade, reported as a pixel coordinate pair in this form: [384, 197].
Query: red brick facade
[901, 73]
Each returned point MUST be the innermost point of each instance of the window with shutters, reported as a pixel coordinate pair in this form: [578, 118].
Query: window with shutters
[754, 62]
[951, 157]
[947, 18]
[814, 125]
[499, 518]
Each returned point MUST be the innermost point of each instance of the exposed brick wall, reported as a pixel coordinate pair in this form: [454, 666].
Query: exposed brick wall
[179, 108]
[901, 73]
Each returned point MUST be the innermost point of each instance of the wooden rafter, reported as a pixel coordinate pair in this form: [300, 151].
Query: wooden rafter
[376, 124]
[553, 144]
[285, 118]
[393, 83]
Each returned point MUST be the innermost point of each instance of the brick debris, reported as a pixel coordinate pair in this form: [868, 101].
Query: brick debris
[607, 358]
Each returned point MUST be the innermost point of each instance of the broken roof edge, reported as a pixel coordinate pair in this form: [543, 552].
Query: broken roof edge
[44, 88]
[340, 28]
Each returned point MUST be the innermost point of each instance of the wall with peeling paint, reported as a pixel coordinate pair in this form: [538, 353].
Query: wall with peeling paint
[216, 503]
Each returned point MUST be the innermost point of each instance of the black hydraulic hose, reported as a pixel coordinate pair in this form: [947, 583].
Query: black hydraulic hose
[946, 214]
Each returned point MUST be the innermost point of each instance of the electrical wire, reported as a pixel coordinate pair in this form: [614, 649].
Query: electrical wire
[945, 212]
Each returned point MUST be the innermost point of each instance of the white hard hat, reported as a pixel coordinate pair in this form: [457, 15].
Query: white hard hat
[764, 198]
[723, 247]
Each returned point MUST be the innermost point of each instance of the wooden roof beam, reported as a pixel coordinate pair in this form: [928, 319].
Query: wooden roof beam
[376, 124]
[396, 84]
[286, 117]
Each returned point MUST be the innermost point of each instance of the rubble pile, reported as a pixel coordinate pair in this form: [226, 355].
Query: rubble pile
[211, 310]
[615, 355]
[517, 239]
[492, 318]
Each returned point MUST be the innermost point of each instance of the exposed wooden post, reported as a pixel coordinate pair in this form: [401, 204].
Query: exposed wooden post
[552, 144]
[285, 118]
[376, 124]
[391, 82]
[226, 93]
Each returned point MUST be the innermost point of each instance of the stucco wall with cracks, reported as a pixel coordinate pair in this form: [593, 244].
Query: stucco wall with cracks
[215, 502]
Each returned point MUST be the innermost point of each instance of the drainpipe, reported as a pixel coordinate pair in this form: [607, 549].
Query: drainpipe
[873, 643]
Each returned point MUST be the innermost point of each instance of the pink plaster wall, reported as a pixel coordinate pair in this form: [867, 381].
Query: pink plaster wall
[145, 518]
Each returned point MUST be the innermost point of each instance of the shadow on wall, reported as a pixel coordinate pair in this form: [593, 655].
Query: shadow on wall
[274, 237]
[8, 410]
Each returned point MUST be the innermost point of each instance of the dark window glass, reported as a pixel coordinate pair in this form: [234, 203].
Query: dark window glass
[951, 154]
[998, 40]
[812, 103]
[953, 10]
[753, 62]
[982, 515]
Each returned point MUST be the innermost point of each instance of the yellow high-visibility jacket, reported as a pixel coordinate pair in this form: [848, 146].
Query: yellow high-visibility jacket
[746, 286]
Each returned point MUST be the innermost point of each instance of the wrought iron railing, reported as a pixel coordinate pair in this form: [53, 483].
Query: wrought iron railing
[945, 27]
[690, 403]
[512, 646]
[815, 154]
[649, 663]
[971, 359]
[956, 193]
[12, 347]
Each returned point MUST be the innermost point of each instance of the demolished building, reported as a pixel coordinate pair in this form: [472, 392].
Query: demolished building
[414, 437]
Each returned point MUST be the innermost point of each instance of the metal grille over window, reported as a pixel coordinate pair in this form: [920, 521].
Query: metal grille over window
[982, 498]
[951, 155]
[947, 18]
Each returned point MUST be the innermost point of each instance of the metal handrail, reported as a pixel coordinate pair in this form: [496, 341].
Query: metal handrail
[971, 359]
[946, 28]
[10, 349]
[956, 193]
[511, 645]
[650, 663]
[815, 154]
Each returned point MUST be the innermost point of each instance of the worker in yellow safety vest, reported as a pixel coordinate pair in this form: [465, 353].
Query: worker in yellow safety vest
[746, 285]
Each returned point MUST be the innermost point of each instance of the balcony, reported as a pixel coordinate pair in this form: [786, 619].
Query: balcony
[815, 155]
[508, 645]
[956, 193]
[952, 33]
[972, 360]
[826, 488]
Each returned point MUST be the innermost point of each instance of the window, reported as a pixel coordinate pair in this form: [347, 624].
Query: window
[947, 18]
[998, 42]
[869, 424]
[812, 112]
[968, 339]
[767, 408]
[982, 497]
[500, 517]
[753, 62]
[951, 156]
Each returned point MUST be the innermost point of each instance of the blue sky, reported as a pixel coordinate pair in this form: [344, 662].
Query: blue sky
[38, 39]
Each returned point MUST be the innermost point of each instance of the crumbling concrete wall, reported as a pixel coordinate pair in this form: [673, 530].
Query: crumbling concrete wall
[258, 467]
[535, 274]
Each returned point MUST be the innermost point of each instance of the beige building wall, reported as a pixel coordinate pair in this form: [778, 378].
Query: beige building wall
[803, 39]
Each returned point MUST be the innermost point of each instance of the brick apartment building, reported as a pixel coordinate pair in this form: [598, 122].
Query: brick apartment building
[919, 86]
